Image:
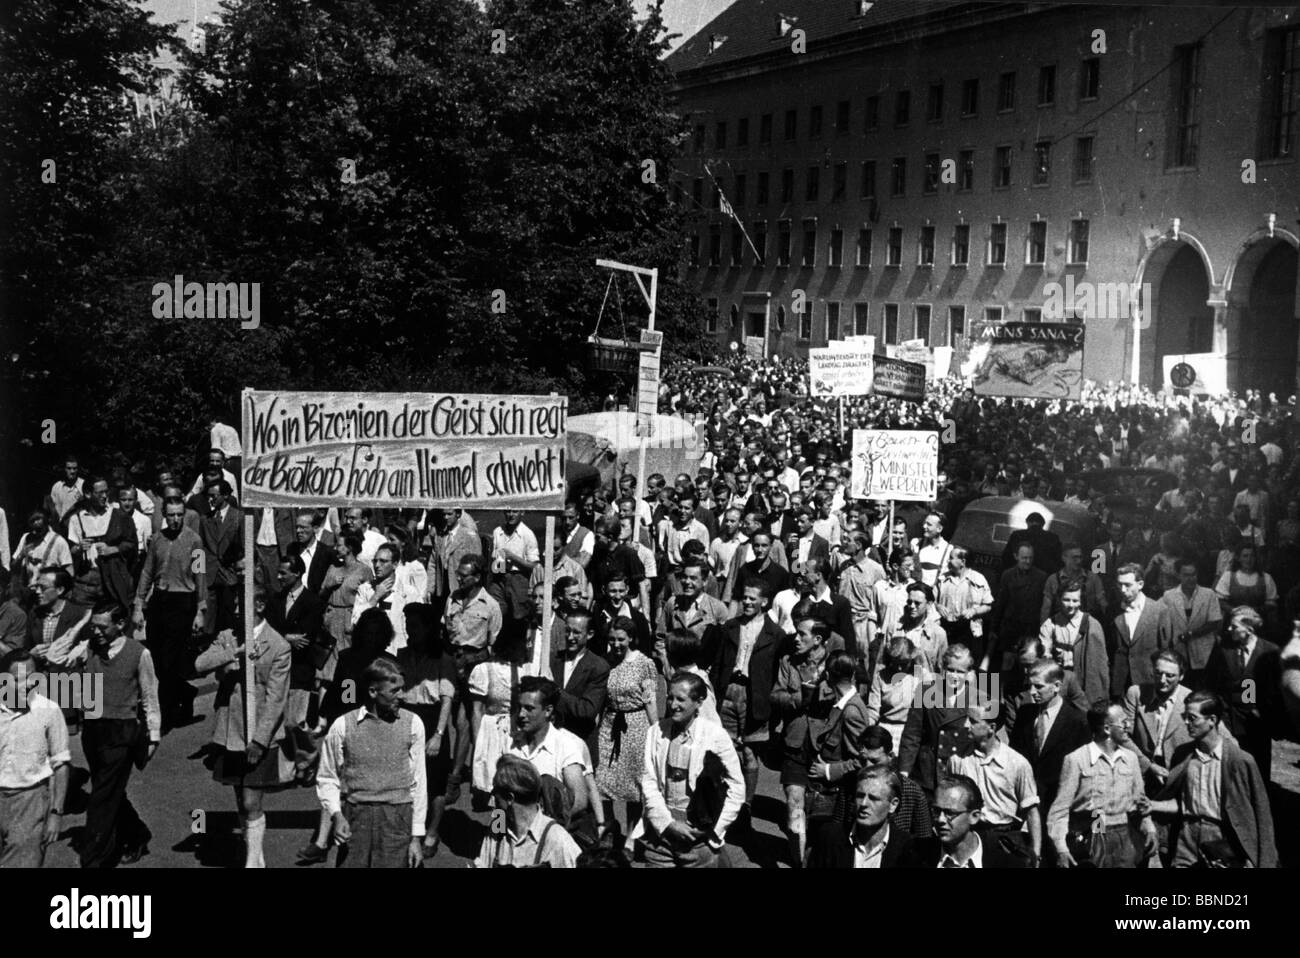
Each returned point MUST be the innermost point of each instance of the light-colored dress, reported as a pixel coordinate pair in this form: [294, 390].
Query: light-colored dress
[632, 686]
[490, 681]
[339, 586]
[889, 702]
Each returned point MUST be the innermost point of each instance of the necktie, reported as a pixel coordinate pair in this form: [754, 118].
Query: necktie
[1241, 657]
[1040, 730]
[949, 863]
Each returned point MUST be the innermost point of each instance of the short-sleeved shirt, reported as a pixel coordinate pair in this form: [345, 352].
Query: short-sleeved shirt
[473, 621]
[1005, 779]
[33, 743]
[558, 851]
[557, 751]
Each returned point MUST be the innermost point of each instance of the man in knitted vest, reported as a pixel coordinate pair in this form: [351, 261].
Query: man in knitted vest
[120, 671]
[372, 777]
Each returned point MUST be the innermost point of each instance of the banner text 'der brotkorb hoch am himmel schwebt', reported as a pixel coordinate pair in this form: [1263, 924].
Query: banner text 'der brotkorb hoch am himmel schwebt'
[403, 450]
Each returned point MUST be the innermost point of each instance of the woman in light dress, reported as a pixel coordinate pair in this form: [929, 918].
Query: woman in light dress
[492, 686]
[894, 688]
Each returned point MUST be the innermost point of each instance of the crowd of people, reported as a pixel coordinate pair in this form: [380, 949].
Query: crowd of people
[1108, 697]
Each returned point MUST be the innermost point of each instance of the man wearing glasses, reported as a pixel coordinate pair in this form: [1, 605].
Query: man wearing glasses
[958, 807]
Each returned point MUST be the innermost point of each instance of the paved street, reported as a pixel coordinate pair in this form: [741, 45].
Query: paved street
[193, 818]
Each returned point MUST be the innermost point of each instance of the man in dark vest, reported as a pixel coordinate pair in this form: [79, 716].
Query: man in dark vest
[120, 672]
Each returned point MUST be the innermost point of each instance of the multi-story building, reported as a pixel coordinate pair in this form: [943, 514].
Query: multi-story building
[906, 167]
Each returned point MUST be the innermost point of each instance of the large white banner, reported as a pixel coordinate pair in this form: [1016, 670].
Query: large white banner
[1208, 373]
[403, 450]
[901, 464]
[838, 372]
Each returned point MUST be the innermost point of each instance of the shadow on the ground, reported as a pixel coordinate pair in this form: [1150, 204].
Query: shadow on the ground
[219, 843]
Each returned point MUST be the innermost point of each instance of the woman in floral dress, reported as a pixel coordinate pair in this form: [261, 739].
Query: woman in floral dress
[630, 709]
[339, 588]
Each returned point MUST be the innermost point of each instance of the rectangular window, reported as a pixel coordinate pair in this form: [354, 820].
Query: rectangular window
[765, 129]
[1083, 159]
[783, 243]
[715, 245]
[868, 179]
[864, 248]
[992, 314]
[925, 253]
[815, 123]
[894, 251]
[966, 170]
[1078, 241]
[923, 324]
[842, 117]
[1007, 92]
[861, 316]
[791, 124]
[961, 244]
[956, 324]
[698, 138]
[737, 245]
[764, 184]
[1047, 85]
[930, 182]
[998, 244]
[1281, 92]
[813, 184]
[970, 97]
[738, 200]
[872, 113]
[902, 107]
[806, 322]
[720, 135]
[1089, 78]
[760, 242]
[891, 324]
[1042, 162]
[836, 252]
[742, 131]
[697, 191]
[787, 186]
[1036, 244]
[809, 242]
[898, 176]
[934, 103]
[832, 321]
[695, 249]
[1031, 314]
[1001, 167]
[711, 316]
[839, 180]
[1185, 128]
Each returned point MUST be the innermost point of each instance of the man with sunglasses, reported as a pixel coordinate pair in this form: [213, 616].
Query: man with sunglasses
[958, 807]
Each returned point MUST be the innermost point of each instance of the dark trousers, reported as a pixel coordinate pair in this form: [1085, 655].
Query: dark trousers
[111, 819]
[170, 618]
[381, 835]
[268, 564]
[221, 606]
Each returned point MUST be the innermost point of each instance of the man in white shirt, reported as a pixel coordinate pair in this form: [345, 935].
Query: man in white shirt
[386, 592]
[357, 521]
[39, 547]
[126, 502]
[932, 549]
[514, 554]
[68, 491]
[723, 549]
[1004, 776]
[216, 460]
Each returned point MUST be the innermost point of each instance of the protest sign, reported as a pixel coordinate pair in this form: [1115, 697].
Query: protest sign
[403, 450]
[895, 377]
[1031, 360]
[900, 464]
[838, 373]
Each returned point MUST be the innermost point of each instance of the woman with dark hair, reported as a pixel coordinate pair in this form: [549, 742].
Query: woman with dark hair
[429, 690]
[1244, 584]
[493, 686]
[339, 589]
[411, 575]
[630, 709]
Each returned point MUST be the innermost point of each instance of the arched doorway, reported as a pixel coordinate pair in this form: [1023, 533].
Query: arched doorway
[1176, 276]
[1264, 330]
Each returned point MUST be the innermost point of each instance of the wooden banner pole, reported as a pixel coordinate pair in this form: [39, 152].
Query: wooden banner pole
[548, 610]
[250, 686]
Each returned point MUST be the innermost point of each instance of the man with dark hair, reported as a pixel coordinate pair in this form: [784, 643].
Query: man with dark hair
[1143, 627]
[1005, 779]
[54, 619]
[1047, 729]
[1100, 815]
[1046, 545]
[174, 586]
[473, 618]
[223, 542]
[372, 777]
[34, 785]
[299, 615]
[317, 557]
[1017, 603]
[870, 840]
[123, 669]
[958, 809]
[531, 838]
[1225, 816]
[913, 812]
[762, 567]
[1196, 616]
[553, 751]
[582, 677]
[745, 671]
